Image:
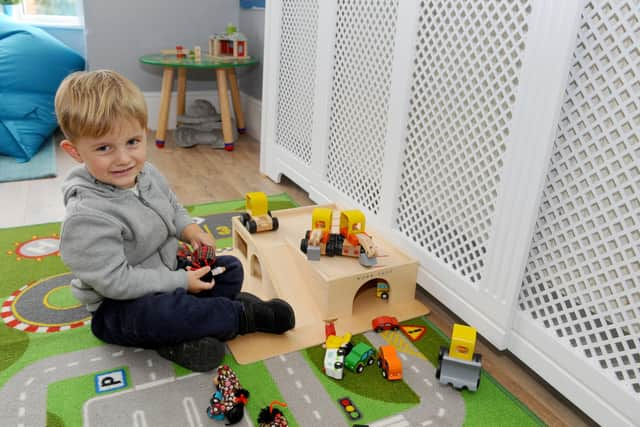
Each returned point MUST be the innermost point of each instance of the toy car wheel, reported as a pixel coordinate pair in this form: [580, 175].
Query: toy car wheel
[341, 352]
[379, 363]
[478, 382]
[253, 227]
[359, 368]
[441, 353]
[245, 219]
[379, 329]
[330, 249]
[384, 374]
[395, 328]
[304, 243]
[384, 295]
[338, 365]
[370, 361]
[438, 373]
[477, 358]
[347, 348]
[274, 223]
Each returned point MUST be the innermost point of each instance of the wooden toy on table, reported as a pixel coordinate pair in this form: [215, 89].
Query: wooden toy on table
[230, 44]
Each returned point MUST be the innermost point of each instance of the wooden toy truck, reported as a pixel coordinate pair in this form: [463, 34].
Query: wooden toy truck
[459, 365]
[258, 218]
[350, 241]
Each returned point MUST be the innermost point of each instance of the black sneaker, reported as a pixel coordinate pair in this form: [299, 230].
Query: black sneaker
[274, 316]
[200, 355]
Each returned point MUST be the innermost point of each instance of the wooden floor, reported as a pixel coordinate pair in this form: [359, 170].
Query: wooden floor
[203, 174]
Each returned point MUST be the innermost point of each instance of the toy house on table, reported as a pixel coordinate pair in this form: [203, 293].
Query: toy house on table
[228, 46]
[330, 288]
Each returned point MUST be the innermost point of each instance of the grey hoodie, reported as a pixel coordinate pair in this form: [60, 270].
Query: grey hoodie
[117, 244]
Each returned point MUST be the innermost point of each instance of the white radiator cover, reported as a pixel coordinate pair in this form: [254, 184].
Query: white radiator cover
[495, 141]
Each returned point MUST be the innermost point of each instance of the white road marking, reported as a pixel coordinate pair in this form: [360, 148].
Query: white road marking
[441, 412]
[29, 381]
[192, 412]
[290, 371]
[21, 411]
[388, 421]
[426, 423]
[51, 369]
[139, 420]
[153, 376]
[149, 363]
[155, 383]
[184, 377]
[23, 395]
[72, 364]
[307, 398]
[415, 369]
[428, 382]
[439, 395]
[138, 350]
[316, 414]
[283, 358]
[298, 384]
[117, 353]
[95, 359]
[402, 356]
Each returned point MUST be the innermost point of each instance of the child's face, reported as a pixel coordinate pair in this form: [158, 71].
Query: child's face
[115, 158]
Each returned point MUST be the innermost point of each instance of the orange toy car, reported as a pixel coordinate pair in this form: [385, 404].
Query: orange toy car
[389, 363]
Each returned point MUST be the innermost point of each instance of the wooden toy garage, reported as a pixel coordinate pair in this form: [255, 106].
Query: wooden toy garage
[337, 287]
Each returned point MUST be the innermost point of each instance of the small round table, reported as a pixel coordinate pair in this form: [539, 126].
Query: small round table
[225, 69]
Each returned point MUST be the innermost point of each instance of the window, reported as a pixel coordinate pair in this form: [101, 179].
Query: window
[67, 13]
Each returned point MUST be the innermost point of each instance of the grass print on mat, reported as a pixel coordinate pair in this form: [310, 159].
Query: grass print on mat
[490, 406]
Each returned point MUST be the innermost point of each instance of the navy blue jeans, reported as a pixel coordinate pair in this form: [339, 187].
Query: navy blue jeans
[171, 317]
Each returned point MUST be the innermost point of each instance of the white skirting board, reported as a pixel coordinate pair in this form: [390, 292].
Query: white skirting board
[251, 106]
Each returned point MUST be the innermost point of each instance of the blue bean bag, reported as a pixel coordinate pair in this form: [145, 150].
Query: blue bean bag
[32, 65]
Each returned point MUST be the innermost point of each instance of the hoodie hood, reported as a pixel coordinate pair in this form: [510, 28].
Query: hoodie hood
[80, 180]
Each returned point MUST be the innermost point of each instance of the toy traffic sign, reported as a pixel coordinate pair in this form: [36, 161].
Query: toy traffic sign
[413, 332]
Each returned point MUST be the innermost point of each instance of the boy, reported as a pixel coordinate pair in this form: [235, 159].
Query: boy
[120, 237]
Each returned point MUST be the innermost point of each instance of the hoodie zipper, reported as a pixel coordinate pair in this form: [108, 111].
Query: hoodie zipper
[148, 205]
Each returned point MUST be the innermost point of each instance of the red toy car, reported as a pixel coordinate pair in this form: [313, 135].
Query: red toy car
[385, 323]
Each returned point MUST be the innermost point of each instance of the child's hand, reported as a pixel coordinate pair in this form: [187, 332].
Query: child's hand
[196, 236]
[194, 284]
[202, 238]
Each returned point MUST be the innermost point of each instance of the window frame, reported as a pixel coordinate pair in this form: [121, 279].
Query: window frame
[52, 21]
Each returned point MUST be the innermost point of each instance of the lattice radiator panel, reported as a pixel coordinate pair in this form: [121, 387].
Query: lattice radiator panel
[464, 88]
[360, 94]
[296, 85]
[582, 280]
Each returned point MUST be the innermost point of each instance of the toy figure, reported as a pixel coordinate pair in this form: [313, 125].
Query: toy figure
[272, 417]
[204, 255]
[229, 399]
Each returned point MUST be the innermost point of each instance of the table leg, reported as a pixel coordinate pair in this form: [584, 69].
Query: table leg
[182, 85]
[165, 101]
[235, 96]
[225, 112]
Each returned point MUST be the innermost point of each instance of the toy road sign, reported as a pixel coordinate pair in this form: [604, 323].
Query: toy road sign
[413, 332]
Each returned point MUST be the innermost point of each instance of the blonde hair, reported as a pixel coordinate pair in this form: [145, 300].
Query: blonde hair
[94, 103]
